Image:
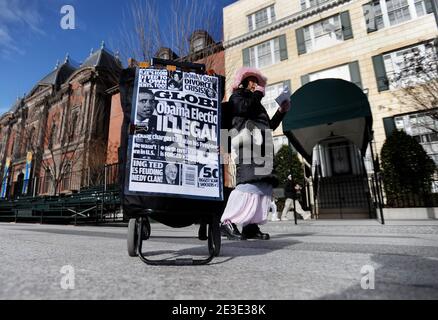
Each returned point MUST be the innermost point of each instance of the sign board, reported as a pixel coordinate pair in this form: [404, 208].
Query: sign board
[174, 146]
[27, 173]
[4, 184]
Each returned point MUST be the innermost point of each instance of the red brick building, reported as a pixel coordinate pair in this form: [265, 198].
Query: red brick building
[63, 122]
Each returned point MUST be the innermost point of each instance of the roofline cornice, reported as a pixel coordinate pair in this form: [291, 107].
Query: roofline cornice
[294, 18]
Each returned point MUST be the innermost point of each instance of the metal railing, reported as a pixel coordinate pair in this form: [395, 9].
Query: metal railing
[72, 182]
[86, 195]
[422, 197]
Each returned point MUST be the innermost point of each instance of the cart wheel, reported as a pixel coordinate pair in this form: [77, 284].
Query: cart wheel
[146, 228]
[214, 238]
[132, 238]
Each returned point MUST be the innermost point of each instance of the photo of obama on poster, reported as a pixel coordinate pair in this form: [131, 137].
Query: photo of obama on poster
[146, 105]
[174, 148]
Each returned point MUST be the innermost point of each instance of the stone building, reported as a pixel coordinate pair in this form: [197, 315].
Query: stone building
[294, 42]
[361, 41]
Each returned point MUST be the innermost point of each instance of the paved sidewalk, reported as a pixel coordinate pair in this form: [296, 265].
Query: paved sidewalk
[313, 260]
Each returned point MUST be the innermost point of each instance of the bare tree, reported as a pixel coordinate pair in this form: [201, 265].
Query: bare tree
[143, 33]
[417, 82]
[57, 153]
[140, 34]
[96, 163]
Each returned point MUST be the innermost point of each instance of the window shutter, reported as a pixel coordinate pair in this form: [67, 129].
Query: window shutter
[368, 12]
[245, 54]
[301, 45]
[355, 73]
[432, 7]
[346, 25]
[389, 125]
[429, 6]
[250, 23]
[380, 72]
[272, 13]
[305, 79]
[283, 47]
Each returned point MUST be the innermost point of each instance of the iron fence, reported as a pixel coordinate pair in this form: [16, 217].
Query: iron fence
[422, 197]
[86, 195]
[105, 177]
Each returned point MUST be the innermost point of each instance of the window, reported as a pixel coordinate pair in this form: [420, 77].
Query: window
[385, 13]
[279, 141]
[410, 66]
[265, 54]
[47, 181]
[423, 126]
[261, 18]
[305, 4]
[398, 11]
[348, 72]
[164, 55]
[198, 44]
[341, 72]
[66, 181]
[420, 7]
[323, 34]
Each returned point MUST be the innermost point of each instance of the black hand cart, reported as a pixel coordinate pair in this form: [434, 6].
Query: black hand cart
[176, 212]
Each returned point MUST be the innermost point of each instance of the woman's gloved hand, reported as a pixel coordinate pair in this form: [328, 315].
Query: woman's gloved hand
[285, 106]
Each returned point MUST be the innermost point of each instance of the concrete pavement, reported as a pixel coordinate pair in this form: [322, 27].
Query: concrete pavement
[314, 260]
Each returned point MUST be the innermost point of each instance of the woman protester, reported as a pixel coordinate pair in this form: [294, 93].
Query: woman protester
[249, 202]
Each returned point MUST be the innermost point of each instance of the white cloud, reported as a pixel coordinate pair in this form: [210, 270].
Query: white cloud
[21, 16]
[4, 35]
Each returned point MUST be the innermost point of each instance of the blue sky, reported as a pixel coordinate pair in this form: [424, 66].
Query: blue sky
[31, 39]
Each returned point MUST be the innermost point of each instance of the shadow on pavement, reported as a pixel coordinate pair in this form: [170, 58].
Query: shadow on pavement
[229, 250]
[396, 277]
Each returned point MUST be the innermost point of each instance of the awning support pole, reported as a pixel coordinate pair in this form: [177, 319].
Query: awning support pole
[380, 201]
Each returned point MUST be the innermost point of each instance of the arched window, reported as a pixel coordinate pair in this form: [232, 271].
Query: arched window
[66, 177]
[47, 181]
[198, 44]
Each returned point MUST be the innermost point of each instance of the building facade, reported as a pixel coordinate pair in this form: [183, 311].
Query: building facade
[59, 128]
[294, 42]
[363, 42]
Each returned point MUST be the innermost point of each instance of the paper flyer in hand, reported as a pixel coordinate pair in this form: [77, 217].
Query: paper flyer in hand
[284, 96]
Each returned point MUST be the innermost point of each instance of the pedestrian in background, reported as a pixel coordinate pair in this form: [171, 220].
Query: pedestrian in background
[293, 191]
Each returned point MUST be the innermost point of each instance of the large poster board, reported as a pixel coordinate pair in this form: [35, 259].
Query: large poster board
[174, 148]
[4, 185]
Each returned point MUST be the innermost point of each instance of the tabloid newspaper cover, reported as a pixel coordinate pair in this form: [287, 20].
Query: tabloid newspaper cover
[174, 149]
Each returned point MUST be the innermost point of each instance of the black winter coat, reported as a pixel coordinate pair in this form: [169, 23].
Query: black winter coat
[289, 190]
[246, 105]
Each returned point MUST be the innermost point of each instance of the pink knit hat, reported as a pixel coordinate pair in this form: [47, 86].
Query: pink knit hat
[246, 72]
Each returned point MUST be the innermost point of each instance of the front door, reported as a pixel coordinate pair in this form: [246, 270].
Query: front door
[340, 158]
